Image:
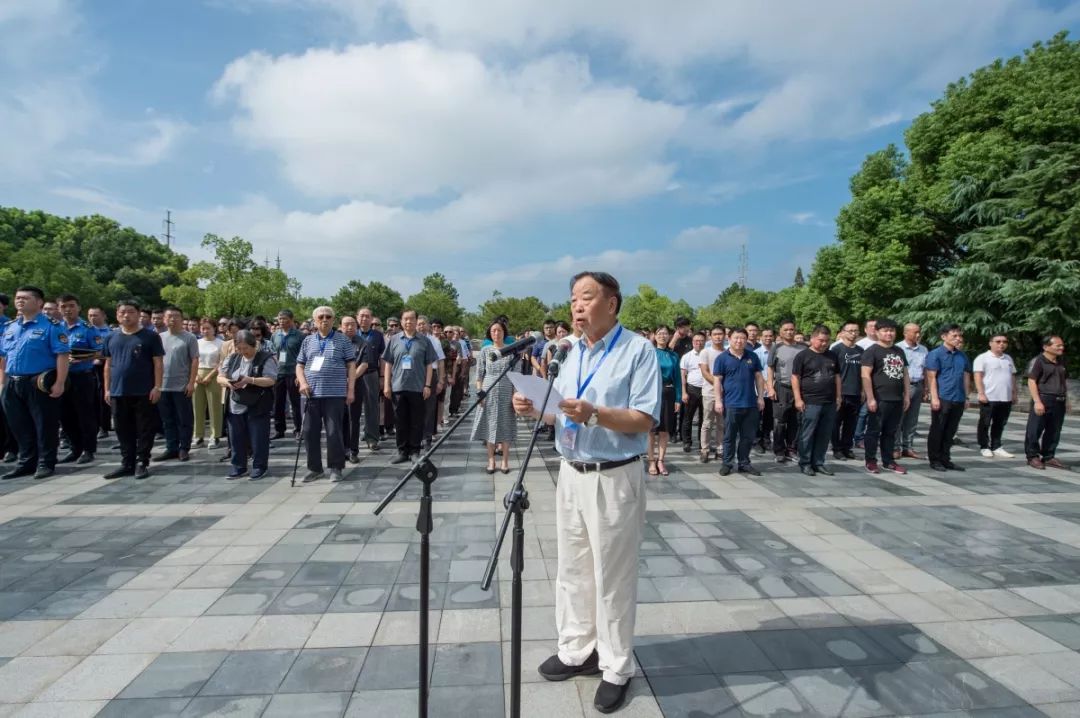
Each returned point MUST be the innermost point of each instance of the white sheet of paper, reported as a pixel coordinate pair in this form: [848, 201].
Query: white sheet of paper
[534, 388]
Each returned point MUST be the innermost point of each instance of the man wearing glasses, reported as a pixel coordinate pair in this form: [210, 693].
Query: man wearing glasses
[326, 371]
[1049, 403]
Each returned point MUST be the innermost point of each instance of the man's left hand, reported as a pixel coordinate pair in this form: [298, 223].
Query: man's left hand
[57, 390]
[577, 410]
[189, 389]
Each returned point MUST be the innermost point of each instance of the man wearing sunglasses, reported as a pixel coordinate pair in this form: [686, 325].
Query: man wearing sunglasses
[326, 373]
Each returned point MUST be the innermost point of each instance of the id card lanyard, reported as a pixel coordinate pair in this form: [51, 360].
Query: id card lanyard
[570, 430]
[317, 362]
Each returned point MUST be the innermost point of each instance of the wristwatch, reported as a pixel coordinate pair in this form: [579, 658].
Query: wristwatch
[594, 418]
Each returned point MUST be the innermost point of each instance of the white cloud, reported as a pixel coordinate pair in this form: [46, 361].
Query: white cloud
[95, 200]
[407, 120]
[710, 239]
[810, 219]
[146, 143]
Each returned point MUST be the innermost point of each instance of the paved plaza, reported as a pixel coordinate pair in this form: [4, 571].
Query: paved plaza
[952, 594]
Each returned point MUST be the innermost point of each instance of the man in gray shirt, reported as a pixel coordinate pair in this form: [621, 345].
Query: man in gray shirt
[178, 382]
[786, 429]
[409, 382]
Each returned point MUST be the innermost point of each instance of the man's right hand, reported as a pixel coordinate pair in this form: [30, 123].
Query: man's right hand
[108, 398]
[522, 405]
[871, 406]
[983, 399]
[1040, 409]
[305, 389]
[388, 394]
[718, 406]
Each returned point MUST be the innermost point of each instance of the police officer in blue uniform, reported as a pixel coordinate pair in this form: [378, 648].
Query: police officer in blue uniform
[8, 447]
[96, 320]
[78, 407]
[33, 345]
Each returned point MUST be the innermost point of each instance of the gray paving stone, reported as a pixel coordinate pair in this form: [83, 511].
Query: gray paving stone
[692, 695]
[309, 705]
[302, 599]
[467, 664]
[325, 670]
[173, 675]
[479, 701]
[394, 703]
[764, 694]
[388, 667]
[144, 707]
[233, 707]
[316, 573]
[250, 673]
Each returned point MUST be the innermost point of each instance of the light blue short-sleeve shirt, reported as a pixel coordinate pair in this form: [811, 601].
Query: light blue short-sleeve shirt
[629, 378]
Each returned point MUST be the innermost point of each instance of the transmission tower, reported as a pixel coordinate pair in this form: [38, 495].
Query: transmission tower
[744, 266]
[168, 225]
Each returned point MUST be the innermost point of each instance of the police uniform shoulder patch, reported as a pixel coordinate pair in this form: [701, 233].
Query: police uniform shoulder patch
[63, 338]
[98, 339]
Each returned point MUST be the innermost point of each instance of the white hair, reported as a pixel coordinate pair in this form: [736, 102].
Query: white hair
[320, 310]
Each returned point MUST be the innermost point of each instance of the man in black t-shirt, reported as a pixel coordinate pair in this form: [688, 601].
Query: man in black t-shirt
[849, 356]
[885, 383]
[1049, 403]
[134, 371]
[815, 382]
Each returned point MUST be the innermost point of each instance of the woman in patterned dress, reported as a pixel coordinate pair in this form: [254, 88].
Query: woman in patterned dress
[495, 421]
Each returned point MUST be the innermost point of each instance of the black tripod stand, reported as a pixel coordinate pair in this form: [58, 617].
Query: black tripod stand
[426, 471]
[517, 503]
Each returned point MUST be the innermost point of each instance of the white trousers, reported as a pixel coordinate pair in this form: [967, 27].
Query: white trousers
[599, 518]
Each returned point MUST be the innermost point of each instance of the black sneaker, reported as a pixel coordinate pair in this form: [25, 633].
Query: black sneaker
[354, 458]
[69, 459]
[10, 457]
[236, 473]
[848, 453]
[17, 473]
[86, 458]
[183, 455]
[166, 456]
[824, 470]
[44, 472]
[312, 476]
[119, 473]
[610, 697]
[725, 470]
[141, 471]
[839, 456]
[807, 471]
[953, 467]
[749, 469]
[555, 670]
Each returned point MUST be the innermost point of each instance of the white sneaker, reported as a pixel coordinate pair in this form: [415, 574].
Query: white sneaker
[987, 453]
[1002, 454]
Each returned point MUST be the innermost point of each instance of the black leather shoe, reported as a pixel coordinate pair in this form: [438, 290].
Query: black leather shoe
[141, 472]
[750, 470]
[953, 467]
[823, 470]
[400, 459]
[610, 697]
[839, 456]
[10, 457]
[119, 473]
[555, 670]
[849, 453]
[725, 470]
[236, 473]
[183, 455]
[807, 471]
[69, 458]
[354, 458]
[166, 456]
[44, 472]
[17, 473]
[938, 467]
[86, 458]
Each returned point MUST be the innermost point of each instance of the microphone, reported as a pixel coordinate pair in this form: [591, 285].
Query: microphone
[561, 350]
[514, 348]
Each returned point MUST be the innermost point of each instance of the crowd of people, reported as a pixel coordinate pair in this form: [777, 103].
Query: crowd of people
[67, 382]
[765, 389]
[725, 391]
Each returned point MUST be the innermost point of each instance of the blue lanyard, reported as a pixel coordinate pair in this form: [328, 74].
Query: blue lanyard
[322, 342]
[607, 350]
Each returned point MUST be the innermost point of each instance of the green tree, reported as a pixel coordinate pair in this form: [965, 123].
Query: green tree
[523, 312]
[649, 308]
[437, 300]
[381, 299]
[798, 282]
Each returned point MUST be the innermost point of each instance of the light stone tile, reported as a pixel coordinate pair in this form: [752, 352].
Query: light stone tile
[346, 552]
[961, 606]
[1050, 597]
[1027, 680]
[190, 556]
[912, 608]
[184, 602]
[220, 576]
[537, 623]
[862, 610]
[916, 580]
[810, 612]
[17, 636]
[160, 577]
[1019, 638]
[640, 702]
[533, 593]
[98, 677]
[965, 639]
[343, 630]
[214, 633]
[533, 653]
[402, 628]
[77, 637]
[546, 699]
[67, 709]
[1065, 665]
[23, 678]
[146, 635]
[1060, 710]
[469, 625]
[124, 604]
[238, 555]
[277, 632]
[1007, 602]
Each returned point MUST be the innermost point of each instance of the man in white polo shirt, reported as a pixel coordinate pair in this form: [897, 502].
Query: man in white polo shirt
[995, 380]
[690, 364]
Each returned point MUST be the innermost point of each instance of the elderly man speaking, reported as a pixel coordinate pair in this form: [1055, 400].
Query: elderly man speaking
[611, 384]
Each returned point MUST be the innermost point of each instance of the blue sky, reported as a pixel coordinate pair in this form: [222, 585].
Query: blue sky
[507, 144]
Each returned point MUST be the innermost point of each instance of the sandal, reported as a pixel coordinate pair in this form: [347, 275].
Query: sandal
[652, 468]
[663, 469]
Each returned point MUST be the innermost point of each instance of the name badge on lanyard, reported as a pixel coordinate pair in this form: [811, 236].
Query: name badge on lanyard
[569, 435]
[406, 361]
[283, 356]
[317, 362]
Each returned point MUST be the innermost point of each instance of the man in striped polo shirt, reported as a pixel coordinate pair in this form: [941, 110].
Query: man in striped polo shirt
[326, 373]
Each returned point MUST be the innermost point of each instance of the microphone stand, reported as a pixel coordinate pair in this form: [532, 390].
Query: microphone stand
[427, 473]
[516, 503]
